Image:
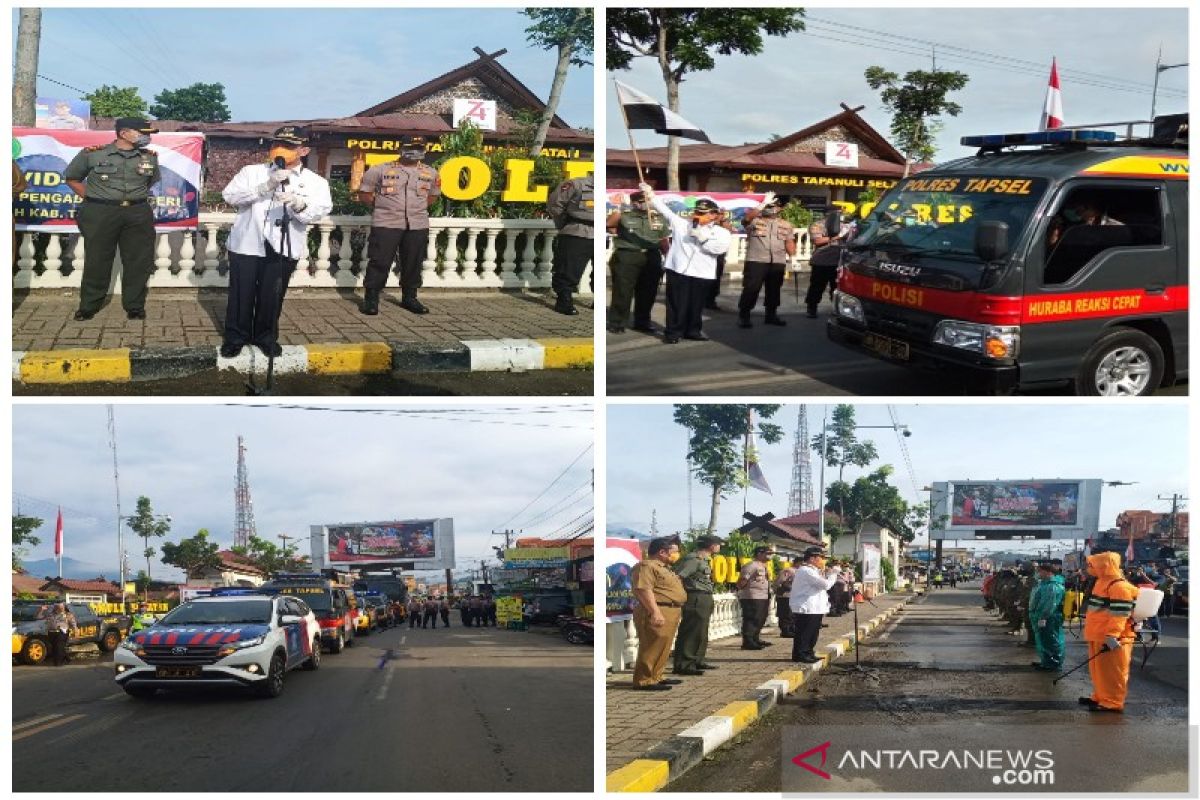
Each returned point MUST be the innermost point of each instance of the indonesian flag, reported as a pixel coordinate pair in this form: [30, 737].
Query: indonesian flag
[58, 535]
[1052, 113]
[643, 112]
[753, 471]
[1129, 549]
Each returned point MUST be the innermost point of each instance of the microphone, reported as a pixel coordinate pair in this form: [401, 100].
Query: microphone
[281, 164]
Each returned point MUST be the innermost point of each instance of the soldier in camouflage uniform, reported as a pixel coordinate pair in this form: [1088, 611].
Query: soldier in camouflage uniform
[636, 264]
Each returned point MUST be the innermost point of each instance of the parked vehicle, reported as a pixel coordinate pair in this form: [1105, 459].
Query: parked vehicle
[576, 630]
[31, 645]
[332, 603]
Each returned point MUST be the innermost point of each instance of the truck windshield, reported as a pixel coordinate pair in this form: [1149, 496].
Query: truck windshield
[224, 612]
[937, 216]
[315, 597]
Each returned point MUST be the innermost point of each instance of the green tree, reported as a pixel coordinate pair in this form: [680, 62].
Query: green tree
[685, 40]
[192, 555]
[845, 448]
[569, 31]
[200, 102]
[147, 525]
[116, 101]
[141, 583]
[270, 557]
[716, 445]
[872, 498]
[915, 104]
[23, 528]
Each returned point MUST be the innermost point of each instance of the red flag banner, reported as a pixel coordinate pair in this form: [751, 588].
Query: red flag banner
[1052, 109]
[58, 535]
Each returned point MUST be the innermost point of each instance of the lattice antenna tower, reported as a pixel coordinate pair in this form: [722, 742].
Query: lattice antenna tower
[243, 523]
[800, 498]
[653, 523]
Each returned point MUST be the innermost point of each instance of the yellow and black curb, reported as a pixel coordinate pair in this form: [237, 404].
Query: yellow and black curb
[669, 759]
[122, 364]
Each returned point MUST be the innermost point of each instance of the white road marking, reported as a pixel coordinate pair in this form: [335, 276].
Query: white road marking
[387, 682]
[31, 731]
[35, 721]
[403, 639]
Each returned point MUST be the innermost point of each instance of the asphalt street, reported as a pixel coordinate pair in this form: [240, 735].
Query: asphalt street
[544, 382]
[797, 359]
[457, 709]
[947, 663]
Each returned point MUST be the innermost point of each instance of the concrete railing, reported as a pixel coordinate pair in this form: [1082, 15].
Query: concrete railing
[622, 642]
[462, 254]
[736, 256]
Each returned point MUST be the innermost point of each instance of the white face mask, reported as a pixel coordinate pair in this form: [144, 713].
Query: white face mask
[412, 155]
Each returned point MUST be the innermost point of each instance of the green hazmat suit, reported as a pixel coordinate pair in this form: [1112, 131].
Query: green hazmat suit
[1046, 603]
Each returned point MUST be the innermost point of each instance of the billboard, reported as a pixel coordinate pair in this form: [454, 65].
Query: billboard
[62, 114]
[413, 544]
[1001, 509]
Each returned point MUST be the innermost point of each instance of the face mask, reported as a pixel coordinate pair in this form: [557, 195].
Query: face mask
[770, 211]
[140, 140]
[412, 155]
[1071, 215]
[674, 557]
[819, 562]
[289, 155]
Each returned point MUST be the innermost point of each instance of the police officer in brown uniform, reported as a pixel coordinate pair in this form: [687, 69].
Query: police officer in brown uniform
[770, 242]
[660, 597]
[401, 193]
[572, 207]
[114, 181]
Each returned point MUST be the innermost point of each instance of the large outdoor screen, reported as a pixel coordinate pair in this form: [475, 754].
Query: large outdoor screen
[1036, 505]
[413, 539]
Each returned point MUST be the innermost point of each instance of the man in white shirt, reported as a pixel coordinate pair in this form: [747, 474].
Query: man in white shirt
[691, 264]
[810, 602]
[269, 197]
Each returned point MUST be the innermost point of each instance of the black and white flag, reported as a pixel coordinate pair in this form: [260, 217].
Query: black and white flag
[643, 113]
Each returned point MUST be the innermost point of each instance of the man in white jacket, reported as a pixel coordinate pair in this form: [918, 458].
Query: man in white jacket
[809, 603]
[691, 264]
[261, 258]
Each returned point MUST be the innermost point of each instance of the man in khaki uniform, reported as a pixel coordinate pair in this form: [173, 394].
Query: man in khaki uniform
[770, 242]
[754, 593]
[660, 597]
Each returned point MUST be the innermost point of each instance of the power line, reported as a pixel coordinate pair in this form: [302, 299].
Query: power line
[912, 473]
[560, 505]
[557, 478]
[60, 83]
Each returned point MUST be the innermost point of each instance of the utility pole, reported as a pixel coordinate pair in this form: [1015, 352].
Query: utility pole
[29, 35]
[283, 537]
[1175, 498]
[483, 569]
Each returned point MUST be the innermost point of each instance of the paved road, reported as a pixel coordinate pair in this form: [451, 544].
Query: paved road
[795, 360]
[451, 710]
[947, 661]
[543, 382]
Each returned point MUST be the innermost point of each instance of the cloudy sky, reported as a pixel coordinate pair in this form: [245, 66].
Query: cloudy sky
[333, 62]
[480, 466]
[1145, 443]
[802, 78]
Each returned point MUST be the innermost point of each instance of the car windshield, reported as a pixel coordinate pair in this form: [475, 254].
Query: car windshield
[315, 597]
[26, 613]
[938, 216]
[223, 612]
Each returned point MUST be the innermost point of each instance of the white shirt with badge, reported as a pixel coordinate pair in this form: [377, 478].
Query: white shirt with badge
[694, 249]
[259, 213]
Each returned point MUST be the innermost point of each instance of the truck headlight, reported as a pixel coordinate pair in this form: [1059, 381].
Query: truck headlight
[989, 341]
[230, 649]
[849, 307]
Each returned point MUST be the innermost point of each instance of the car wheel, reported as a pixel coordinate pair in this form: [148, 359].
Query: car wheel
[1124, 362]
[272, 685]
[314, 661]
[34, 652]
[141, 692]
[576, 636]
[339, 645]
[110, 641]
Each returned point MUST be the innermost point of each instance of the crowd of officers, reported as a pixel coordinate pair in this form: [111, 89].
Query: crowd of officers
[276, 200]
[650, 239]
[476, 611]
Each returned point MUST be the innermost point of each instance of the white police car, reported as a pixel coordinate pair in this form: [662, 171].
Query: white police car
[233, 638]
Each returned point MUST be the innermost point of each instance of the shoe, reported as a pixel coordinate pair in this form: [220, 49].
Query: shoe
[272, 349]
[615, 329]
[652, 687]
[567, 308]
[688, 672]
[774, 320]
[137, 313]
[668, 339]
[761, 643]
[230, 350]
[712, 306]
[649, 328]
[670, 682]
[1087, 701]
[807, 659]
[83, 316]
[812, 313]
[370, 303]
[414, 305]
[823, 625]
[696, 337]
[744, 322]
[752, 647]
[705, 665]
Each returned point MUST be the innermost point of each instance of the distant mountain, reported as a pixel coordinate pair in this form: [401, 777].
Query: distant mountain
[77, 570]
[618, 532]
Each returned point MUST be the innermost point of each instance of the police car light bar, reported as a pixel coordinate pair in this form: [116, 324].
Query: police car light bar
[233, 591]
[1063, 136]
[298, 576]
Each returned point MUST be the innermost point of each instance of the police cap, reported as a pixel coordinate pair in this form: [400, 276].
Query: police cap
[813, 551]
[291, 134]
[706, 541]
[139, 124]
[414, 142]
[637, 197]
[706, 206]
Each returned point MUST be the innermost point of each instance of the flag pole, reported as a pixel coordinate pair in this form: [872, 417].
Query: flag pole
[636, 160]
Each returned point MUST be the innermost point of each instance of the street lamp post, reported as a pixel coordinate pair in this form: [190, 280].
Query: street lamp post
[121, 547]
[1159, 69]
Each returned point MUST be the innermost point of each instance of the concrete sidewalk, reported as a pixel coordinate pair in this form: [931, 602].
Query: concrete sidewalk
[321, 330]
[653, 737]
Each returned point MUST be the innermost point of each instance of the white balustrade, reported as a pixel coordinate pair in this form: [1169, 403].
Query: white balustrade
[736, 256]
[462, 253]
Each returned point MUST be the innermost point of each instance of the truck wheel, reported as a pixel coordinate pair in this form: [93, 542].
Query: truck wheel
[339, 645]
[314, 662]
[272, 685]
[110, 641]
[141, 692]
[1124, 362]
[34, 652]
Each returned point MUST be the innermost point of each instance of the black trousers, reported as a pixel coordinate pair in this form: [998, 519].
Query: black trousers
[257, 286]
[387, 245]
[754, 616]
[57, 646]
[571, 257]
[691, 643]
[413, 619]
[445, 612]
[807, 628]
[686, 297]
[783, 610]
[646, 292]
[466, 617]
[758, 273]
[821, 280]
[430, 616]
[105, 229]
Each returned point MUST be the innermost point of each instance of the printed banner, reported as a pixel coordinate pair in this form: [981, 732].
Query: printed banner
[534, 557]
[736, 203]
[391, 540]
[1038, 504]
[622, 555]
[61, 114]
[48, 204]
[872, 571]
